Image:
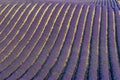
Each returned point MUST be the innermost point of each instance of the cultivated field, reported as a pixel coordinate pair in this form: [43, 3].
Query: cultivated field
[59, 40]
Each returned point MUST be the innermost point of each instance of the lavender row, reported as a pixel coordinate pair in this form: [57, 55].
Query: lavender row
[94, 46]
[18, 49]
[103, 52]
[43, 56]
[34, 50]
[68, 71]
[13, 42]
[57, 48]
[112, 47]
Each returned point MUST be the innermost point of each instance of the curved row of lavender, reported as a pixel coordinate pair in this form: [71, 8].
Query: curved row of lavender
[59, 40]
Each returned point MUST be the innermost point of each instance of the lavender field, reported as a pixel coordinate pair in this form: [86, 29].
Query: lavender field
[59, 40]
